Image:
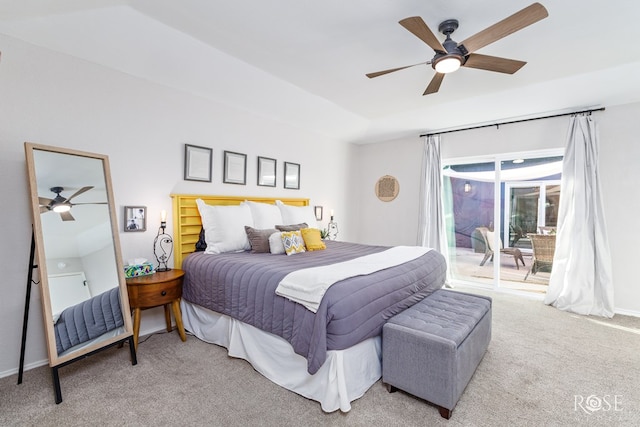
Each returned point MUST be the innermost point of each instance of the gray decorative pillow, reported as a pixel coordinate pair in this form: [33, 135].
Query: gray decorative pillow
[292, 227]
[259, 239]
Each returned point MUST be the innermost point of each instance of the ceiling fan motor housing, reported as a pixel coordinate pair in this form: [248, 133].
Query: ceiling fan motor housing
[453, 51]
[59, 203]
[448, 27]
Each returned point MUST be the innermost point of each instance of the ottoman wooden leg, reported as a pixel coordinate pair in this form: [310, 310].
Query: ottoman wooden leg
[444, 412]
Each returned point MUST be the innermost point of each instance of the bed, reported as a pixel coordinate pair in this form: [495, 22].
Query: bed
[329, 352]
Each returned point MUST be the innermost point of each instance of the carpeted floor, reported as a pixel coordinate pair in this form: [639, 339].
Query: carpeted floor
[544, 367]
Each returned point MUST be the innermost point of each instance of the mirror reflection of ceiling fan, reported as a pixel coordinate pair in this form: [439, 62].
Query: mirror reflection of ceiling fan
[450, 55]
[63, 205]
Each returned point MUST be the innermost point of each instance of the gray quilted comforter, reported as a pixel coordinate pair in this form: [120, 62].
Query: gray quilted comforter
[88, 320]
[242, 285]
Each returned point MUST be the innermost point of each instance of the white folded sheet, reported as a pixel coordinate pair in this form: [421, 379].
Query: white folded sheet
[308, 285]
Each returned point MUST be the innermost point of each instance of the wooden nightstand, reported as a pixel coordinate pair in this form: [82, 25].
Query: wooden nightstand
[161, 288]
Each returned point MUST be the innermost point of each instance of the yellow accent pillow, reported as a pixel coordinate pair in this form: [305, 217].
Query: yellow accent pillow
[312, 239]
[293, 242]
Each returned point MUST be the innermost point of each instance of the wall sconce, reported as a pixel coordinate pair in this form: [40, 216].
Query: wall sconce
[162, 244]
[467, 187]
[332, 228]
[318, 212]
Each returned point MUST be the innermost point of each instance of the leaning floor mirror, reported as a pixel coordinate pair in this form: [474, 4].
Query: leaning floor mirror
[75, 231]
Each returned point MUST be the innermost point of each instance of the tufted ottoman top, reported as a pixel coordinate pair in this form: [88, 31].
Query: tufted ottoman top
[447, 314]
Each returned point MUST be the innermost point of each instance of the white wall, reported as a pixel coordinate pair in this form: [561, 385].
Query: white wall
[396, 222]
[101, 276]
[54, 99]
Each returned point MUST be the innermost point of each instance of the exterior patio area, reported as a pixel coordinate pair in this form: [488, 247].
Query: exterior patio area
[465, 266]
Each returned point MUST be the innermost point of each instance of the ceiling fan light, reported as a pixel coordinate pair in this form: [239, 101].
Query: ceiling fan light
[62, 208]
[448, 64]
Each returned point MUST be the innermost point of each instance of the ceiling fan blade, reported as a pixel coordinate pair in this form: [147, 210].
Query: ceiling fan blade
[382, 73]
[79, 192]
[434, 85]
[66, 216]
[44, 209]
[418, 28]
[519, 20]
[493, 63]
[90, 203]
[44, 201]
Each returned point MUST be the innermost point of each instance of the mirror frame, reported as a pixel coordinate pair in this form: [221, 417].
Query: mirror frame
[54, 358]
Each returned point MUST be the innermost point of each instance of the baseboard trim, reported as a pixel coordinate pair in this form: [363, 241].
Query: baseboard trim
[624, 312]
[27, 367]
[531, 295]
[150, 326]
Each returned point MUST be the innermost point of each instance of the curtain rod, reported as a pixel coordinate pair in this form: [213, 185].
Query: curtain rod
[511, 122]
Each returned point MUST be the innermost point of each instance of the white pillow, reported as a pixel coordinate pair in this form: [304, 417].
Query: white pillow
[276, 246]
[265, 215]
[297, 214]
[224, 227]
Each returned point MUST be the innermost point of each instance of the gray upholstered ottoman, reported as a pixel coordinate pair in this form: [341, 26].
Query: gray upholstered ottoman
[432, 349]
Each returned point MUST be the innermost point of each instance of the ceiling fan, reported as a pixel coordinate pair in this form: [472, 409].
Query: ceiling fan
[63, 205]
[450, 55]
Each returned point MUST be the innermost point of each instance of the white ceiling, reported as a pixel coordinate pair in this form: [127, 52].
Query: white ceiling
[304, 61]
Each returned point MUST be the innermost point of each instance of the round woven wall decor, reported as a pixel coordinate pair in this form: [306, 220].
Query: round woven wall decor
[387, 188]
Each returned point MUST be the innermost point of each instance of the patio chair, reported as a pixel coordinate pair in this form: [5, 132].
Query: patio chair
[544, 247]
[488, 252]
[546, 230]
[515, 234]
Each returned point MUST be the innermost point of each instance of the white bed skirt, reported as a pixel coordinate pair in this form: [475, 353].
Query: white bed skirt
[344, 377]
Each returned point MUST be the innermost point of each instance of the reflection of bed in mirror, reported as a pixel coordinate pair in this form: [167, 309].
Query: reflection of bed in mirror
[88, 322]
[74, 287]
[331, 356]
[78, 253]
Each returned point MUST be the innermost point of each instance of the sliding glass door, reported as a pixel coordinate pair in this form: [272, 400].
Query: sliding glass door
[532, 208]
[492, 210]
[469, 191]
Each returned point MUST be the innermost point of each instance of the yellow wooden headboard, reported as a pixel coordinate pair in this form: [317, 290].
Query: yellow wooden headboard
[187, 223]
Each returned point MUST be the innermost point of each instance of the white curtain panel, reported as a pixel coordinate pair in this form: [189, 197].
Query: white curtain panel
[431, 223]
[581, 280]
